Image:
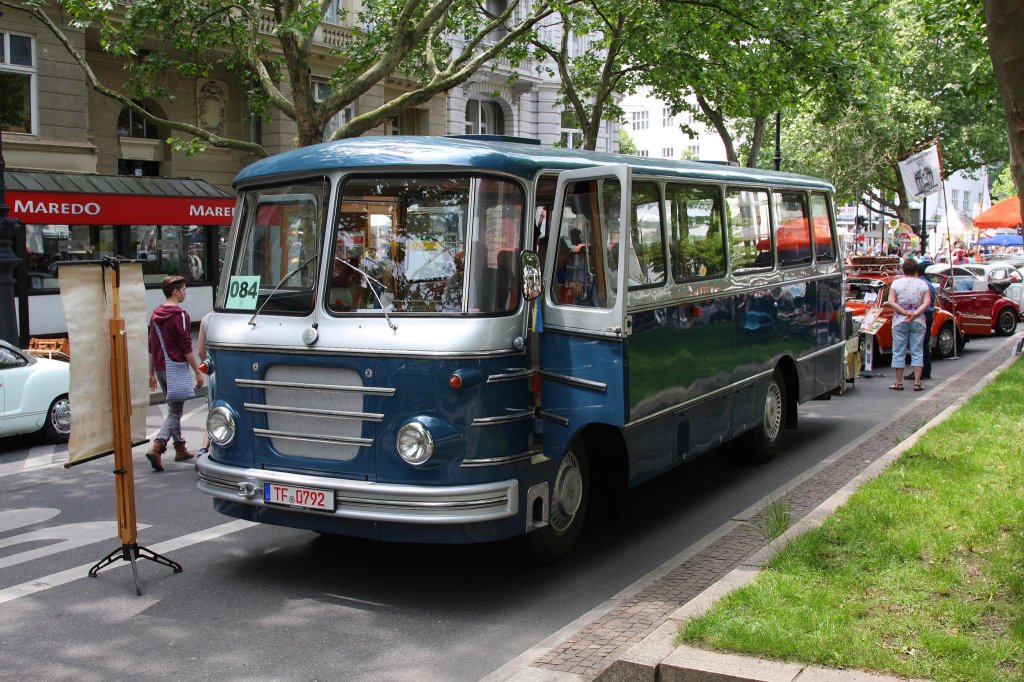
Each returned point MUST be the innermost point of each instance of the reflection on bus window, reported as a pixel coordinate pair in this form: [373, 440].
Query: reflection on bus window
[587, 242]
[793, 236]
[750, 238]
[412, 236]
[824, 245]
[646, 257]
[695, 218]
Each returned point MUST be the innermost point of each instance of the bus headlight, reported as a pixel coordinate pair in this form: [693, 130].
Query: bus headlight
[414, 443]
[220, 424]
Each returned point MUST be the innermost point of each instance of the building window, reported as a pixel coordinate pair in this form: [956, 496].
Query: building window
[667, 152]
[967, 201]
[667, 119]
[695, 150]
[496, 8]
[570, 135]
[17, 82]
[484, 117]
[642, 152]
[321, 90]
[131, 123]
[955, 196]
[640, 120]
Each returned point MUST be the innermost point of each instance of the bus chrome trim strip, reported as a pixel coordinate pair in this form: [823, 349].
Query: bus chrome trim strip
[598, 386]
[370, 390]
[503, 419]
[368, 500]
[365, 416]
[701, 398]
[350, 352]
[510, 376]
[313, 438]
[496, 461]
[552, 417]
[829, 349]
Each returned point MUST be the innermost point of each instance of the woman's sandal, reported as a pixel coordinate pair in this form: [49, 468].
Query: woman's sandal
[896, 387]
[918, 387]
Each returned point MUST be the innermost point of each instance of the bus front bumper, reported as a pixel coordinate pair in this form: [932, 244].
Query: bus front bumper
[366, 500]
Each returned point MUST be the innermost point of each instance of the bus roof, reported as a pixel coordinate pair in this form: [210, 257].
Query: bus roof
[523, 160]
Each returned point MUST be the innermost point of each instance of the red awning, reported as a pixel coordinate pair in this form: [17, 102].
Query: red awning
[1004, 214]
[63, 199]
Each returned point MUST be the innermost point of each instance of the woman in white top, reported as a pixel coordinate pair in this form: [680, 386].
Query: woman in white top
[909, 298]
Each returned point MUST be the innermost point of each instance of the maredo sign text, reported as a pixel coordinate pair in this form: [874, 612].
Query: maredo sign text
[50, 208]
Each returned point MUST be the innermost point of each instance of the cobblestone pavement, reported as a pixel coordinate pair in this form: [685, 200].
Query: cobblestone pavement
[593, 648]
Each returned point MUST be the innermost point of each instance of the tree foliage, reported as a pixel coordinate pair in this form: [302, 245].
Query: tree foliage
[935, 83]
[734, 63]
[269, 47]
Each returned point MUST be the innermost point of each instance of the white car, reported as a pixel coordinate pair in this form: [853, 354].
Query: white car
[34, 395]
[964, 279]
[999, 271]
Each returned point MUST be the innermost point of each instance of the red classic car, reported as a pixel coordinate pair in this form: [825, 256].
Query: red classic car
[980, 313]
[868, 290]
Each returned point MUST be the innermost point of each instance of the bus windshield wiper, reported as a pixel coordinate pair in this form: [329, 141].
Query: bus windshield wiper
[370, 281]
[288, 275]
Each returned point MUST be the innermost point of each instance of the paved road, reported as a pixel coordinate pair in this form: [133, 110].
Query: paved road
[272, 603]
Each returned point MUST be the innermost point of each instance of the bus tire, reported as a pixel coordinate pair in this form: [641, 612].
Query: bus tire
[765, 440]
[568, 508]
[945, 340]
[1006, 322]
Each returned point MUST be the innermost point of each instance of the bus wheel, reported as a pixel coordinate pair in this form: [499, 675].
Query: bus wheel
[569, 498]
[945, 341]
[1006, 323]
[767, 437]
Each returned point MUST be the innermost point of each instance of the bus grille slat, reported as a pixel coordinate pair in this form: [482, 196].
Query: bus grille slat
[319, 422]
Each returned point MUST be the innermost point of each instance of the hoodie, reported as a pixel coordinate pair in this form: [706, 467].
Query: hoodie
[175, 326]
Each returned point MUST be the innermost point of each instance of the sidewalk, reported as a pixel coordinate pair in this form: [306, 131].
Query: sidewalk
[633, 640]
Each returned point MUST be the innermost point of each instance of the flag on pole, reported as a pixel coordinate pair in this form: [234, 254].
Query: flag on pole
[921, 172]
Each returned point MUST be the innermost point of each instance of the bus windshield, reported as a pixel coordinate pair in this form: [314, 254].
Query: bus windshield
[277, 251]
[427, 244]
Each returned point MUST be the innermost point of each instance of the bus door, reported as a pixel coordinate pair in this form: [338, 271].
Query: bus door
[581, 346]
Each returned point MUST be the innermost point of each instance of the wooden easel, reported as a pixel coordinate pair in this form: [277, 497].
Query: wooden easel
[121, 408]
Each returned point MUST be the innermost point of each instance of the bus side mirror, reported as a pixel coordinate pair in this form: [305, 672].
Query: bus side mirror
[529, 262]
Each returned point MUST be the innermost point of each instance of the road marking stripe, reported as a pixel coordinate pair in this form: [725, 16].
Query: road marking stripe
[79, 572]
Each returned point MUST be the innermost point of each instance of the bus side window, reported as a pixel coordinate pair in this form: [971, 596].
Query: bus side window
[645, 265]
[824, 242]
[695, 219]
[750, 239]
[792, 237]
[581, 271]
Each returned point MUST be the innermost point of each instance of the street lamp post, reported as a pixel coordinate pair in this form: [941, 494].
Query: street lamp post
[10, 229]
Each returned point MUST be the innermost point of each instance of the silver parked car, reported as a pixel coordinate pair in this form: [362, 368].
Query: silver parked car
[34, 395]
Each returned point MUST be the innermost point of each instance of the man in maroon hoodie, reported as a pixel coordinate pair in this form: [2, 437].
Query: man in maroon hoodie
[175, 327]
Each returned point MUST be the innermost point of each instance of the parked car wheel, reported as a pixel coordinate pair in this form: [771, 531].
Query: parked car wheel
[1006, 323]
[57, 428]
[569, 498]
[945, 341]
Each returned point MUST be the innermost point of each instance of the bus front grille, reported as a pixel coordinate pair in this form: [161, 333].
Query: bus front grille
[314, 412]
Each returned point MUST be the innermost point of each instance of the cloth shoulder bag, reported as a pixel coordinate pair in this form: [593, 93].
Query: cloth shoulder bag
[177, 377]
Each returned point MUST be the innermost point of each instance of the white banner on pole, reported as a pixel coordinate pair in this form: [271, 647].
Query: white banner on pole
[921, 173]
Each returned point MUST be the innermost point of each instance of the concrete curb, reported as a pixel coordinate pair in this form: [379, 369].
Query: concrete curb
[657, 659]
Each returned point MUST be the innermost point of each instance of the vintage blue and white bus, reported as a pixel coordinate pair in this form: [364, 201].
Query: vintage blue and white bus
[453, 340]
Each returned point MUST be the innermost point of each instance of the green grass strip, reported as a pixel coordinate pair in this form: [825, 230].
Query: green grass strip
[920, 573]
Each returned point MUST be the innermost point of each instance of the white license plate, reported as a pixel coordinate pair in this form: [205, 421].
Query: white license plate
[298, 496]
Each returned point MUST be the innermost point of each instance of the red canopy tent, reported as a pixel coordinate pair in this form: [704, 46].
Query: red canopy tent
[1004, 214]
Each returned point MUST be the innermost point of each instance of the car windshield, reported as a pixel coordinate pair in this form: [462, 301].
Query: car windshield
[865, 292]
[426, 244]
